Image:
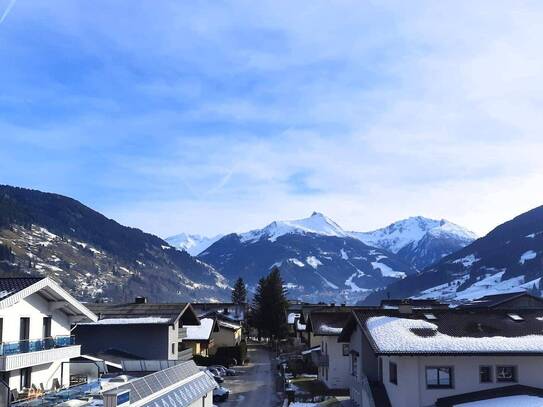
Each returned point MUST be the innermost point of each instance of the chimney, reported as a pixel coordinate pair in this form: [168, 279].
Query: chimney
[140, 300]
[405, 309]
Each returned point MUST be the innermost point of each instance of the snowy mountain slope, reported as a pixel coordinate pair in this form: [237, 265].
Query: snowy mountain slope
[317, 258]
[94, 257]
[193, 244]
[508, 259]
[418, 240]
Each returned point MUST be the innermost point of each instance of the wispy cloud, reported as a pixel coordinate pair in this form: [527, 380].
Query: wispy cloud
[217, 117]
[7, 10]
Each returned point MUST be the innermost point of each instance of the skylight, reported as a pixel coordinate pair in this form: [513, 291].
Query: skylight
[430, 317]
[515, 317]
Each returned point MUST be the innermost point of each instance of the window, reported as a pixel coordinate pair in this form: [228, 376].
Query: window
[25, 378]
[346, 349]
[506, 374]
[515, 317]
[354, 365]
[430, 317]
[393, 372]
[46, 328]
[173, 347]
[485, 374]
[439, 377]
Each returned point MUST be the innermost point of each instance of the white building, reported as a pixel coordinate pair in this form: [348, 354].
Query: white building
[35, 319]
[419, 358]
[333, 359]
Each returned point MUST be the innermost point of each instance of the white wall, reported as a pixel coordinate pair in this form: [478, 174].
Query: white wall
[36, 308]
[339, 374]
[411, 390]
[208, 401]
[226, 337]
[173, 340]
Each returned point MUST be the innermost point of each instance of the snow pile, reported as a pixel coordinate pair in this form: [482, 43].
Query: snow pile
[200, 332]
[317, 223]
[392, 334]
[529, 255]
[517, 401]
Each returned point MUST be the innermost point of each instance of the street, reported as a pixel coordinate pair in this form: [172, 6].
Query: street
[254, 385]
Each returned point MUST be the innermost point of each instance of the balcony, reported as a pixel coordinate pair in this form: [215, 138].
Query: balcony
[20, 354]
[182, 333]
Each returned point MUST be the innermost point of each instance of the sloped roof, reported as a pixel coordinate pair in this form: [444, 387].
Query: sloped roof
[201, 332]
[490, 301]
[15, 289]
[462, 332]
[135, 313]
[327, 323]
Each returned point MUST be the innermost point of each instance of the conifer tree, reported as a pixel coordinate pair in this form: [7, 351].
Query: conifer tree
[239, 293]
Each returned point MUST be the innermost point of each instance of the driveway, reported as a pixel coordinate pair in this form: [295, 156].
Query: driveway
[255, 384]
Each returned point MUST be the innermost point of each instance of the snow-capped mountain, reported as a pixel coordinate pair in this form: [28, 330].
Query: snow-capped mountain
[317, 258]
[193, 244]
[508, 259]
[418, 240]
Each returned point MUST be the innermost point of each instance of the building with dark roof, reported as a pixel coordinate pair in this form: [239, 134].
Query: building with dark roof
[413, 357]
[516, 300]
[148, 331]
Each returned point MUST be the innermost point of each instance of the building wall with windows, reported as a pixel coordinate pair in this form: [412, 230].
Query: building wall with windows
[412, 388]
[337, 374]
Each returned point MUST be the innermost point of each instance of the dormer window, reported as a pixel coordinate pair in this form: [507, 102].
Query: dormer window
[430, 317]
[515, 317]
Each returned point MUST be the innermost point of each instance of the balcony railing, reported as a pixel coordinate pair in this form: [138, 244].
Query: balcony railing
[35, 345]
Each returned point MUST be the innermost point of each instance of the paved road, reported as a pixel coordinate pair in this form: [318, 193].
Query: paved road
[255, 384]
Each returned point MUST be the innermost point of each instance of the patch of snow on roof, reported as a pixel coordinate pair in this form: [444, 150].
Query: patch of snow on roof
[529, 255]
[392, 334]
[313, 262]
[200, 332]
[387, 271]
[326, 329]
[517, 401]
[129, 321]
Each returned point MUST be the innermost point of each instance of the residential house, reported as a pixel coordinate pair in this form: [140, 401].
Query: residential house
[410, 358]
[228, 334]
[226, 311]
[429, 303]
[514, 301]
[199, 337]
[146, 331]
[333, 359]
[36, 346]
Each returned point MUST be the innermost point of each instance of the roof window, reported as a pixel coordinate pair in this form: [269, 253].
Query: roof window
[430, 317]
[515, 317]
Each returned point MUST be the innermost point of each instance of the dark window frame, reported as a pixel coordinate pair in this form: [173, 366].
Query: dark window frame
[346, 349]
[490, 374]
[393, 372]
[514, 378]
[450, 385]
[354, 365]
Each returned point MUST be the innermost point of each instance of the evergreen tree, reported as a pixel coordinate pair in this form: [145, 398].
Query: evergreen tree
[239, 293]
[270, 305]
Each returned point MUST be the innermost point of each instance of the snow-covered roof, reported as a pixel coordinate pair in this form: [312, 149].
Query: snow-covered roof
[292, 317]
[144, 313]
[451, 332]
[330, 322]
[517, 401]
[228, 325]
[130, 321]
[200, 332]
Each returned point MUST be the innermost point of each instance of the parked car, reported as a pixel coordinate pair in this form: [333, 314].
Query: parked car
[215, 374]
[220, 394]
[226, 371]
[221, 371]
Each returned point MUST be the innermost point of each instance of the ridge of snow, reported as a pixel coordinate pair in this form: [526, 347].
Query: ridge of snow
[529, 255]
[412, 230]
[317, 223]
[192, 244]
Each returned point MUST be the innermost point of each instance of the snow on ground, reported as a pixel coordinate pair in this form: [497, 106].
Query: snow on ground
[491, 285]
[317, 223]
[529, 255]
[296, 262]
[328, 283]
[393, 334]
[290, 285]
[344, 255]
[313, 262]
[350, 283]
[292, 316]
[517, 401]
[468, 260]
[386, 271]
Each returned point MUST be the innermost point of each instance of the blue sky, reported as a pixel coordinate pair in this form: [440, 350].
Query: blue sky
[212, 117]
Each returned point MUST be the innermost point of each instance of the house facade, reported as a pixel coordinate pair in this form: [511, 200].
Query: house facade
[333, 359]
[36, 315]
[228, 334]
[199, 337]
[419, 358]
[146, 331]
